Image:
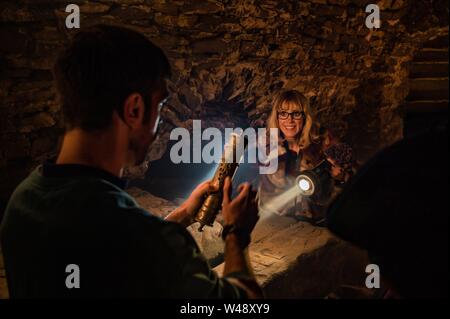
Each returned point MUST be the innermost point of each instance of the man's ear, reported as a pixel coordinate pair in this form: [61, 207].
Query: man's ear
[133, 110]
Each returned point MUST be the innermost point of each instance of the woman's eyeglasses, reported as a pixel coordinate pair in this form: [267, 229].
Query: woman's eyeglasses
[283, 115]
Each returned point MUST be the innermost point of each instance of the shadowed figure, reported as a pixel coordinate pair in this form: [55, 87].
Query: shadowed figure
[397, 208]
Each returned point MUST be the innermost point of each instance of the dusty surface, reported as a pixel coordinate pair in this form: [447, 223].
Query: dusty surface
[296, 260]
[290, 259]
[155, 205]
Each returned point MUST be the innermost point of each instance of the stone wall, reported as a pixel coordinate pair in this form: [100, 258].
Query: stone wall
[229, 57]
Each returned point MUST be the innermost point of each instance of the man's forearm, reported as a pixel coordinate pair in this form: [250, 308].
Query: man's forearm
[180, 216]
[236, 260]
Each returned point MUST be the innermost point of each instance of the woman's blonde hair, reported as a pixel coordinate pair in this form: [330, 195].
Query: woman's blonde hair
[300, 103]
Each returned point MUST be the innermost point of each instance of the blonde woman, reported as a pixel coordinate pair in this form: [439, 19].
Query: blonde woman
[301, 147]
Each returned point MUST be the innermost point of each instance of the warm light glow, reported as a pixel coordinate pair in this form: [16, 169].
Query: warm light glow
[304, 184]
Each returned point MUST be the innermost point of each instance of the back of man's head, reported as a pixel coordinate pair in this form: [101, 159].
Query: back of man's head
[397, 208]
[100, 67]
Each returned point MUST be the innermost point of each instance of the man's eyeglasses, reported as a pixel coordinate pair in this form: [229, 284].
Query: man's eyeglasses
[283, 115]
[163, 103]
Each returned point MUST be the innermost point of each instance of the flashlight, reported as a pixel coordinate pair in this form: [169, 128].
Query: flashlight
[228, 165]
[316, 183]
[306, 185]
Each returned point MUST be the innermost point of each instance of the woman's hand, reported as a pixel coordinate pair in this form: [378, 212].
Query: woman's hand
[336, 171]
[185, 213]
[340, 156]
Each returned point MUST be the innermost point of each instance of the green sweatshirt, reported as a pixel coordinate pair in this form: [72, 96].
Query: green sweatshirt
[72, 231]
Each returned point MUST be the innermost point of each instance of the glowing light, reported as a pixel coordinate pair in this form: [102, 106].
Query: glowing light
[304, 185]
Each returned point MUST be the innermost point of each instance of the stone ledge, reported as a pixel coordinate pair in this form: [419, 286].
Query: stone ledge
[296, 260]
[290, 259]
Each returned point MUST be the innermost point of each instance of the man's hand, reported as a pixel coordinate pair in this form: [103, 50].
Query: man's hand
[242, 211]
[185, 213]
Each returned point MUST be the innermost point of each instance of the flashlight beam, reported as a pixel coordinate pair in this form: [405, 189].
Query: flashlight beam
[277, 203]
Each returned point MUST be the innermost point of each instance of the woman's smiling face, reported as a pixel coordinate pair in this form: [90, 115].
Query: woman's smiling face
[292, 125]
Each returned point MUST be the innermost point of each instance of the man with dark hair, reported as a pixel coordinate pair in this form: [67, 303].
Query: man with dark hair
[71, 217]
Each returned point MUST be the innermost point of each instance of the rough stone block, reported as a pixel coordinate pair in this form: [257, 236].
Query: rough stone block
[296, 260]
